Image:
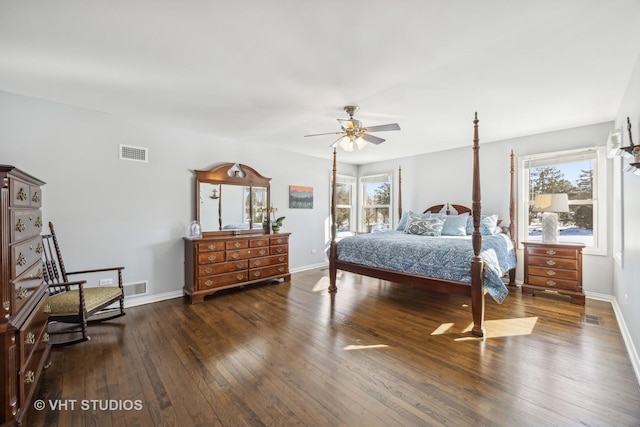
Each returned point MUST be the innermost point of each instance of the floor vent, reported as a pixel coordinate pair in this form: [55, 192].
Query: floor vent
[591, 319]
[137, 154]
[134, 289]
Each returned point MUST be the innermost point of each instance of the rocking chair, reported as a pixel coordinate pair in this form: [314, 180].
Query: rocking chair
[72, 302]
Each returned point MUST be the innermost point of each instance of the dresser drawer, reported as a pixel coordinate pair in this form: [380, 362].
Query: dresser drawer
[225, 267]
[240, 254]
[278, 250]
[210, 246]
[210, 257]
[564, 263]
[25, 224]
[29, 374]
[279, 240]
[555, 283]
[25, 285]
[553, 252]
[222, 280]
[258, 243]
[261, 273]
[34, 330]
[237, 244]
[553, 273]
[21, 193]
[25, 255]
[266, 261]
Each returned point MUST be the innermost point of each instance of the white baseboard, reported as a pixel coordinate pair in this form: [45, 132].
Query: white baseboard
[148, 299]
[626, 336]
[310, 267]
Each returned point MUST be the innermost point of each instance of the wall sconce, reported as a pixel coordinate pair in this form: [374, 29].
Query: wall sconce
[628, 150]
[549, 204]
[614, 144]
[632, 151]
[214, 194]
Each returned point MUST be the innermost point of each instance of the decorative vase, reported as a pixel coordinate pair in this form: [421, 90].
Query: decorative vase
[275, 229]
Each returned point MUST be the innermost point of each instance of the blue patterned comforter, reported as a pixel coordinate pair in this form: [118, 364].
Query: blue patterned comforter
[439, 257]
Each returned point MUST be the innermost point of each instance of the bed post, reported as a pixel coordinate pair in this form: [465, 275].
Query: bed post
[399, 193]
[512, 218]
[477, 285]
[332, 248]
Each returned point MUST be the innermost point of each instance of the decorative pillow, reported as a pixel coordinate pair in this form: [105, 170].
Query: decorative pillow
[424, 226]
[455, 225]
[488, 225]
[408, 215]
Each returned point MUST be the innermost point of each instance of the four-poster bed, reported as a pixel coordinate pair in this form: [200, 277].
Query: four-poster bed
[442, 264]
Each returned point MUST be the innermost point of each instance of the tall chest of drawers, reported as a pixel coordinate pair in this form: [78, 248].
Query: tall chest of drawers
[25, 342]
[554, 267]
[222, 262]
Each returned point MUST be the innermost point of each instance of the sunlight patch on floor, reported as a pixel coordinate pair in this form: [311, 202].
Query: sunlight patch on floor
[321, 285]
[507, 327]
[442, 329]
[365, 347]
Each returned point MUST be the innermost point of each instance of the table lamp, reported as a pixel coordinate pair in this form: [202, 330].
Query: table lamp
[550, 204]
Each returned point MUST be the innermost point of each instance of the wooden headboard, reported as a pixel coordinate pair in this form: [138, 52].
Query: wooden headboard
[460, 209]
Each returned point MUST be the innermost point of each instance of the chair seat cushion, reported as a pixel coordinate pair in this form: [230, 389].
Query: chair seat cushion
[69, 301]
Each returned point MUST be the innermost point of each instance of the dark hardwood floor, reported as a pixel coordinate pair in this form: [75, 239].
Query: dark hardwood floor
[380, 354]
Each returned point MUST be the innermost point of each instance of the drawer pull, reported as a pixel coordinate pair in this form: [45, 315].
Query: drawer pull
[212, 257]
[279, 250]
[281, 269]
[551, 273]
[22, 260]
[208, 283]
[281, 258]
[29, 377]
[20, 226]
[22, 292]
[30, 338]
[45, 337]
[234, 255]
[258, 262]
[551, 282]
[211, 247]
[260, 243]
[39, 249]
[551, 262]
[38, 223]
[22, 195]
[240, 277]
[551, 252]
[208, 270]
[256, 273]
[239, 265]
[262, 252]
[279, 240]
[237, 244]
[36, 197]
[39, 274]
[47, 308]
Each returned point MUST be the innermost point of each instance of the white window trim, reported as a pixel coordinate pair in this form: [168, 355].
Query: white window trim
[354, 204]
[600, 214]
[362, 195]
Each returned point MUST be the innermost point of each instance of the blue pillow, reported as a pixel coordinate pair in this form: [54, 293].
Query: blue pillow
[455, 225]
[424, 226]
[488, 225]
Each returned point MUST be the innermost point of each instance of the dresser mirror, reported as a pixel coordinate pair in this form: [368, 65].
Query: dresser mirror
[232, 199]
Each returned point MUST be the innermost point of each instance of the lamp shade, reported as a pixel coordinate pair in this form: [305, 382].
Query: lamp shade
[556, 202]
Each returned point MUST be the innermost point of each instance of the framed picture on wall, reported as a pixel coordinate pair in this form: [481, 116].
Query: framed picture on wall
[300, 197]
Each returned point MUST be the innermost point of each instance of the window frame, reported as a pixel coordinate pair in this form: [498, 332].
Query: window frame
[388, 177]
[347, 179]
[600, 241]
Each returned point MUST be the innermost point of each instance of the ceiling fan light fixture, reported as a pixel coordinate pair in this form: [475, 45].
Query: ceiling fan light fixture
[346, 144]
[360, 143]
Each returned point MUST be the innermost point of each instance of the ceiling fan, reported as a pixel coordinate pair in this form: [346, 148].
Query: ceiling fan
[353, 133]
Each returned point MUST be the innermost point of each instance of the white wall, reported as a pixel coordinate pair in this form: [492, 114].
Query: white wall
[111, 212]
[627, 272]
[446, 176]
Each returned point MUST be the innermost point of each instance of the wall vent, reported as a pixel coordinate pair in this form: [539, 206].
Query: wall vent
[134, 289]
[137, 154]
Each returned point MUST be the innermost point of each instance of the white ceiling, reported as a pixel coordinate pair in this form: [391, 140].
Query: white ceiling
[269, 72]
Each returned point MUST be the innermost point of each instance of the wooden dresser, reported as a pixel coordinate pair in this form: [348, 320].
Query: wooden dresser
[554, 267]
[221, 262]
[25, 341]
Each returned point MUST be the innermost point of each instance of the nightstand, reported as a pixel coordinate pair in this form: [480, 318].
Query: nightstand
[554, 267]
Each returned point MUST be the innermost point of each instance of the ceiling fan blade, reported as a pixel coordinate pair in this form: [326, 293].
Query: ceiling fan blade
[328, 133]
[335, 143]
[380, 128]
[372, 139]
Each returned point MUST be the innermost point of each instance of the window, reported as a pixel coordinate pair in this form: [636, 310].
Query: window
[256, 196]
[345, 189]
[581, 175]
[375, 211]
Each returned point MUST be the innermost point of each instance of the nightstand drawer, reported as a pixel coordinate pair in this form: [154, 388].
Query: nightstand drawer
[564, 263]
[553, 273]
[553, 283]
[553, 252]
